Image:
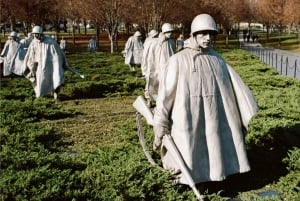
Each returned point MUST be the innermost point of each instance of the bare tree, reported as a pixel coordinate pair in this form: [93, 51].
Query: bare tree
[73, 15]
[271, 14]
[264, 15]
[292, 15]
[151, 14]
[107, 15]
[9, 12]
[111, 18]
[59, 13]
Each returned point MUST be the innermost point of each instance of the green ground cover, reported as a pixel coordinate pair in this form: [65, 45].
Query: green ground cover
[283, 41]
[87, 148]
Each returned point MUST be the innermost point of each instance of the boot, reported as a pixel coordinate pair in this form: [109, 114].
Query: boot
[56, 97]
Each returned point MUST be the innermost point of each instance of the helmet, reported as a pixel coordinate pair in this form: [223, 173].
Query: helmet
[13, 34]
[203, 22]
[37, 29]
[153, 33]
[137, 34]
[167, 27]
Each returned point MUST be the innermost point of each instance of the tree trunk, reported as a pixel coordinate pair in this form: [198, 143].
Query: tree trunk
[111, 42]
[112, 35]
[268, 32]
[84, 23]
[73, 34]
[227, 39]
[111, 45]
[97, 36]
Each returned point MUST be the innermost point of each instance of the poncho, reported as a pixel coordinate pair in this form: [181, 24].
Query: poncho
[13, 53]
[157, 52]
[133, 50]
[207, 107]
[44, 65]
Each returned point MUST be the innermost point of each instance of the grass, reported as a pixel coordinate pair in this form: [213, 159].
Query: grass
[87, 148]
[283, 41]
[97, 119]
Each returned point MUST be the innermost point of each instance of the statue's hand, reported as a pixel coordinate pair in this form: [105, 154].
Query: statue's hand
[159, 132]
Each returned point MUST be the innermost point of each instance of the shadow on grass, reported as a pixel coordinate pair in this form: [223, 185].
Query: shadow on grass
[266, 166]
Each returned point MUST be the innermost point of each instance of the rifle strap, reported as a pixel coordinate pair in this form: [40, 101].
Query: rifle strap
[151, 160]
[143, 141]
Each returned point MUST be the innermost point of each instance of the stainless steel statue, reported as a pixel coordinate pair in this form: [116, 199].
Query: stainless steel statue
[133, 51]
[205, 106]
[157, 52]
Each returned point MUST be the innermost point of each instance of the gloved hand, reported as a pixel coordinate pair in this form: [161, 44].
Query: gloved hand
[159, 132]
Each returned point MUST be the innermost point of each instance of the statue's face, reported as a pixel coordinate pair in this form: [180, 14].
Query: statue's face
[168, 34]
[37, 36]
[204, 38]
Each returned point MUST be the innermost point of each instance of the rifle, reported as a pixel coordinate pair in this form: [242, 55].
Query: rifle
[141, 107]
[74, 71]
